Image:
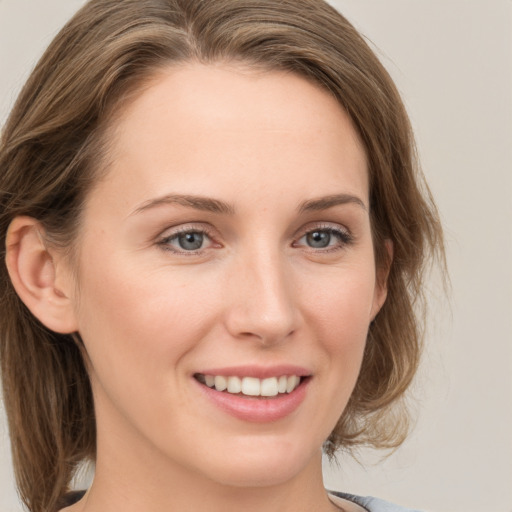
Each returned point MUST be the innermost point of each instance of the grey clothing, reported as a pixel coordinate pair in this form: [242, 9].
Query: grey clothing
[372, 504]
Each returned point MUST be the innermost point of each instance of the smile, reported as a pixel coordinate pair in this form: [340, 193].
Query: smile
[251, 386]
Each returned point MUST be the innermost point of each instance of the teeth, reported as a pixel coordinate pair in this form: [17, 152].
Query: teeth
[292, 383]
[282, 384]
[269, 387]
[234, 385]
[252, 386]
[221, 383]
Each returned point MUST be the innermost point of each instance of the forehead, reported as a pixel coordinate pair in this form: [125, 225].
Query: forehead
[195, 123]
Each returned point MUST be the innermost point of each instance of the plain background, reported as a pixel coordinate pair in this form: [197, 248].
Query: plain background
[452, 61]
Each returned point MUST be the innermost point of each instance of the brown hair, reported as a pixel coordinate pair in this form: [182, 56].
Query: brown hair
[50, 154]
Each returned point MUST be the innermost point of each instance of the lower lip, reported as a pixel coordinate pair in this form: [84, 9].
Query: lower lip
[257, 410]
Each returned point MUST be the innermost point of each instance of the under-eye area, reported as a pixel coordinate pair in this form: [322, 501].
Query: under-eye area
[252, 386]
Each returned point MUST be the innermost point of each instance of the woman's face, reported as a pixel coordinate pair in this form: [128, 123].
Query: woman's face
[229, 244]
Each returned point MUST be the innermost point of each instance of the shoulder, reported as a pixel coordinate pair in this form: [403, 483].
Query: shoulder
[371, 504]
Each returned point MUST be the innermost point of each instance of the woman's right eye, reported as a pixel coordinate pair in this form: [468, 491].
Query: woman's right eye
[187, 241]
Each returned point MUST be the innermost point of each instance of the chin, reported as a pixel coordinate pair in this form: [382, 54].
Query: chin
[260, 464]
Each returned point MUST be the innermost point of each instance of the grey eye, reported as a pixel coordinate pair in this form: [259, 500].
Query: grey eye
[318, 239]
[191, 241]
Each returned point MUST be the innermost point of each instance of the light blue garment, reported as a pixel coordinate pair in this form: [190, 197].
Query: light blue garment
[372, 504]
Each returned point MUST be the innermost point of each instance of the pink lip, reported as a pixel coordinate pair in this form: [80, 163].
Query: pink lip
[260, 372]
[251, 409]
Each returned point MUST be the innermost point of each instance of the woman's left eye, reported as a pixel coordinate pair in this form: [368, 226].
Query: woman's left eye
[186, 241]
[325, 238]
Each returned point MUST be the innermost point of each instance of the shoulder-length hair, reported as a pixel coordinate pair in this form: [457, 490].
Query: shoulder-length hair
[51, 152]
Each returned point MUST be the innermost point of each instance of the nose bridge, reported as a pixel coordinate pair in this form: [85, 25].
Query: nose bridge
[263, 304]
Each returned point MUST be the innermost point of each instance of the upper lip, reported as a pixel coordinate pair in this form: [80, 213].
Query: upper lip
[259, 372]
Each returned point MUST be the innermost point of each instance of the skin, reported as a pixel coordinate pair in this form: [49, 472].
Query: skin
[152, 314]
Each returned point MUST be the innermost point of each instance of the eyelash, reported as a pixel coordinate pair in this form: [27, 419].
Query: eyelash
[343, 236]
[165, 242]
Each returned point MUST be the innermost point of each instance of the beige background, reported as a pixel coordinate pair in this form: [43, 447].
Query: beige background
[452, 60]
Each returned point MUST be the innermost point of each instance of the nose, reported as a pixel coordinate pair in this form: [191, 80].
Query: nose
[262, 302]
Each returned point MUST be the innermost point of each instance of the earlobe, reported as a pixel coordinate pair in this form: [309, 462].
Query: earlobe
[36, 276]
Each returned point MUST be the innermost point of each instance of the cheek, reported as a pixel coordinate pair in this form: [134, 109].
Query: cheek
[338, 317]
[342, 300]
[138, 323]
[340, 312]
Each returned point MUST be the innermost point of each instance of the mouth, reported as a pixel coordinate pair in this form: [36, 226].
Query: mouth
[255, 395]
[252, 386]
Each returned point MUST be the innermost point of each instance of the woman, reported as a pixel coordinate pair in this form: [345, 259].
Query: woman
[214, 236]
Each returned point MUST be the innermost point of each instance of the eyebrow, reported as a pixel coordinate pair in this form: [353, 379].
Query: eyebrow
[206, 204]
[324, 203]
[216, 206]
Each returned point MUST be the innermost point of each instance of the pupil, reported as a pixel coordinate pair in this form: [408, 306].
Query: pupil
[318, 239]
[191, 241]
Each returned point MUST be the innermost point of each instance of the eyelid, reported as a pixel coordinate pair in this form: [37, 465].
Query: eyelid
[343, 234]
[346, 237]
[173, 232]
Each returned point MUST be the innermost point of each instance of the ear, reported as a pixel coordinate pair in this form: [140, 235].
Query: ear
[381, 280]
[39, 275]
